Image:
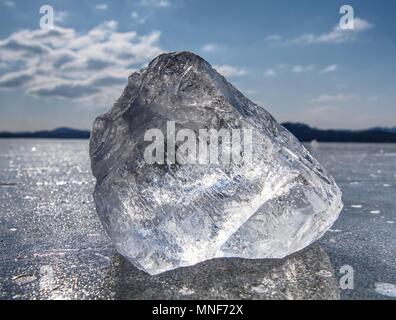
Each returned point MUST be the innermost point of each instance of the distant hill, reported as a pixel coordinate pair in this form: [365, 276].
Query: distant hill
[305, 133]
[302, 132]
[59, 133]
[393, 130]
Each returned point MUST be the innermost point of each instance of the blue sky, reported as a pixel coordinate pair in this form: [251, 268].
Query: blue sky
[288, 56]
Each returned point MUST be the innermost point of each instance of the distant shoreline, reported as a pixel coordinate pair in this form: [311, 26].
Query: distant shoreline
[302, 132]
[305, 133]
[59, 133]
[46, 138]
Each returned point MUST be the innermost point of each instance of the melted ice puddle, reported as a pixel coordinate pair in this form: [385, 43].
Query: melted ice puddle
[386, 289]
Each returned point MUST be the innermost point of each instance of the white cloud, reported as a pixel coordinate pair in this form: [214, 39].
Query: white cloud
[211, 47]
[90, 67]
[330, 68]
[333, 98]
[136, 16]
[101, 7]
[321, 109]
[273, 37]
[337, 35]
[60, 16]
[9, 4]
[15, 79]
[284, 68]
[301, 69]
[155, 3]
[270, 73]
[230, 71]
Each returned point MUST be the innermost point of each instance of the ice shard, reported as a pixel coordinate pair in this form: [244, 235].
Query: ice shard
[165, 215]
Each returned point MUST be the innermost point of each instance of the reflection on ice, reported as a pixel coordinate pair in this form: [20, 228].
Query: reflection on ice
[304, 275]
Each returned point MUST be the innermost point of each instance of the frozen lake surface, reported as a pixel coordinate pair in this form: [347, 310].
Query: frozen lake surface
[53, 246]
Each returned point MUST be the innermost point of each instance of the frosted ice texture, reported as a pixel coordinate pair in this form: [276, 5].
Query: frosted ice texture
[162, 217]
